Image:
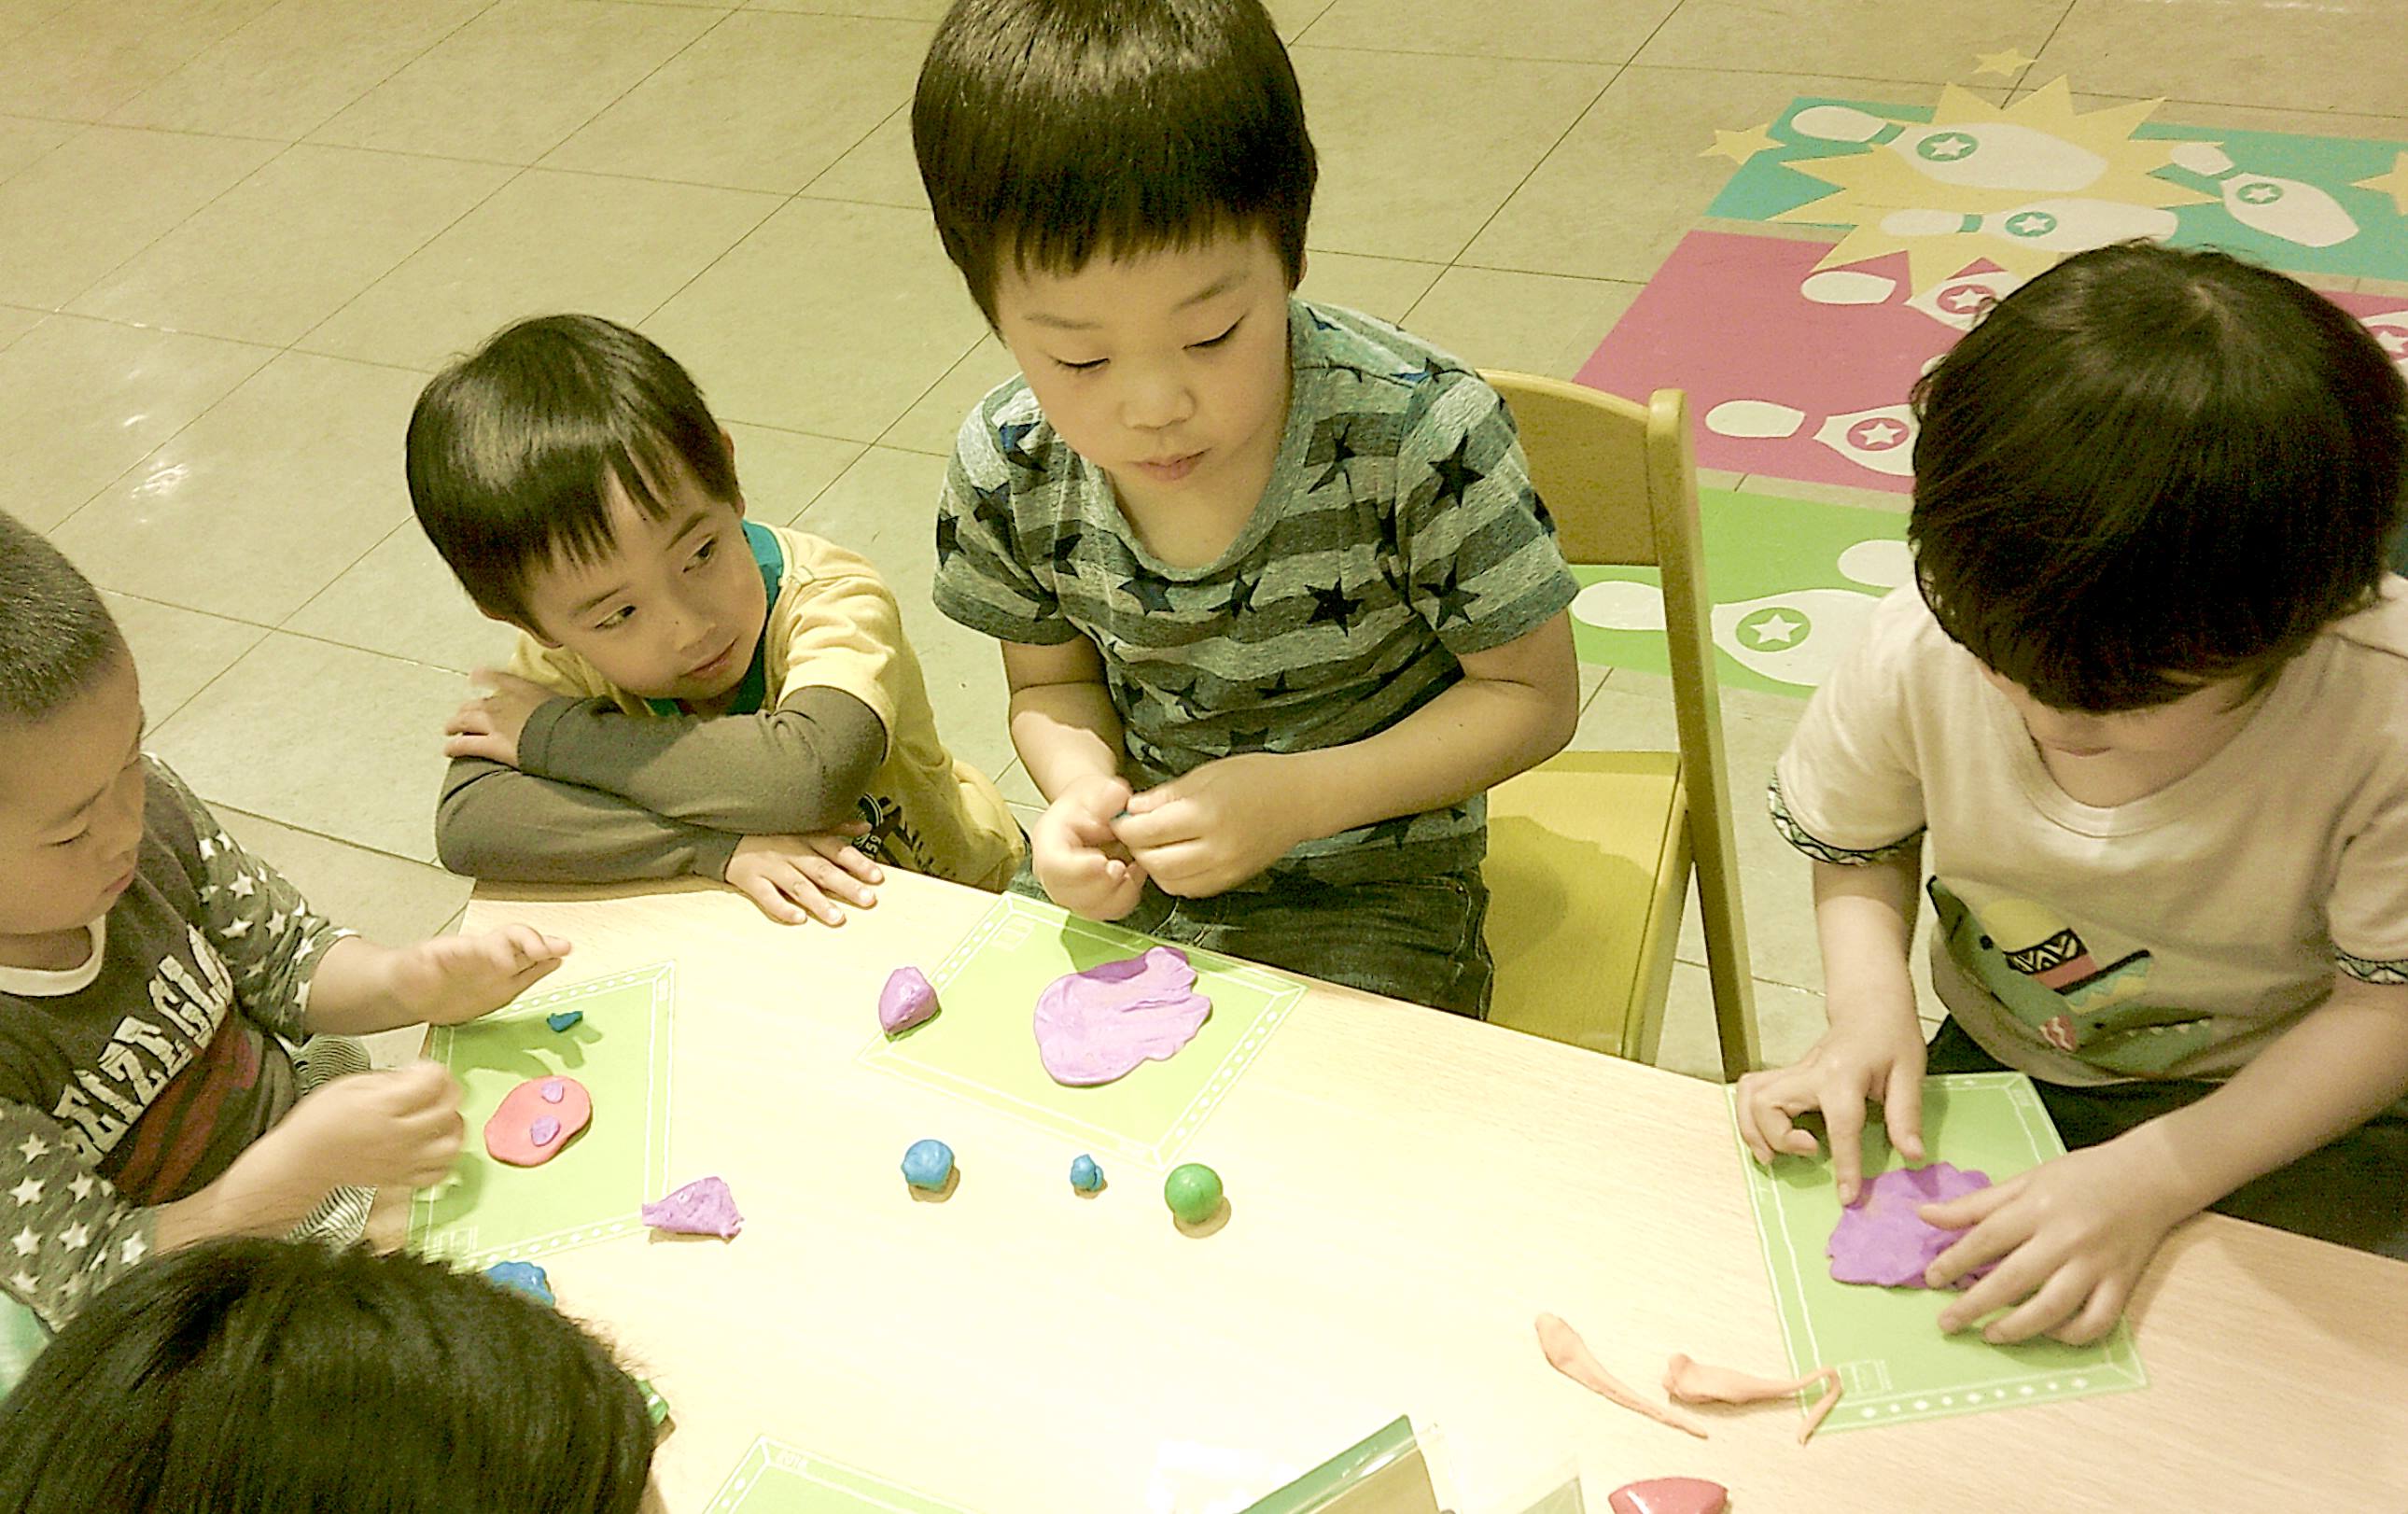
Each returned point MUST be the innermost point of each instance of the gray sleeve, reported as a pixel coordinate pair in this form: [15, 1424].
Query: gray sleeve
[496, 822]
[800, 767]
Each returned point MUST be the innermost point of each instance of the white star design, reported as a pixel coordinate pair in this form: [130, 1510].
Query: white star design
[83, 1186]
[1963, 298]
[76, 1237]
[1949, 147]
[26, 1242]
[1776, 631]
[2260, 193]
[27, 1192]
[307, 947]
[1878, 434]
[2393, 338]
[133, 1250]
[276, 922]
[2030, 226]
[209, 847]
[23, 1281]
[237, 929]
[243, 886]
[34, 1146]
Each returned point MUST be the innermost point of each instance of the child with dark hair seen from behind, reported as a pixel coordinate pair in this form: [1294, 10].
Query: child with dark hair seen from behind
[2148, 714]
[1277, 601]
[176, 1061]
[254, 1377]
[692, 691]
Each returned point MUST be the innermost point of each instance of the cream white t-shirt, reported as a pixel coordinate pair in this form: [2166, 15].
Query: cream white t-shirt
[2174, 936]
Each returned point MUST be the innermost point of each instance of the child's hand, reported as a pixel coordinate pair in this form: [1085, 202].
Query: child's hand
[1217, 826]
[2071, 1238]
[446, 979]
[1847, 1067]
[488, 726]
[396, 1128]
[1075, 854]
[799, 878]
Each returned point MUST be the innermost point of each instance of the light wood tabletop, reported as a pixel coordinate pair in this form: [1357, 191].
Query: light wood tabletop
[1407, 1191]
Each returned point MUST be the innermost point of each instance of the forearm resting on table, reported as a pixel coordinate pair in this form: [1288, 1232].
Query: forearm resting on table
[1864, 919]
[800, 768]
[1063, 723]
[2341, 1064]
[496, 822]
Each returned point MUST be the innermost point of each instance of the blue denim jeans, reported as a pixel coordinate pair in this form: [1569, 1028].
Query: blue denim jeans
[1416, 939]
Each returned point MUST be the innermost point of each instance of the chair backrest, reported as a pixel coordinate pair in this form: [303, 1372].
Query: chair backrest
[1621, 481]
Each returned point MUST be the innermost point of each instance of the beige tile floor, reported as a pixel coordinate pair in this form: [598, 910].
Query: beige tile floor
[235, 235]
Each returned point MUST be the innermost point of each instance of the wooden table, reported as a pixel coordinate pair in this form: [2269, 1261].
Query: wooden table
[1407, 1191]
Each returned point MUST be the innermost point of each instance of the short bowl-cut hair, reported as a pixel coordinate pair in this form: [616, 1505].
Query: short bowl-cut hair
[56, 633]
[512, 449]
[1051, 131]
[250, 1376]
[2150, 467]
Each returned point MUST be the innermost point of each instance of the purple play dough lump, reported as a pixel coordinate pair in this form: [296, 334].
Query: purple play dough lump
[1096, 1025]
[544, 1131]
[1881, 1239]
[908, 999]
[702, 1208]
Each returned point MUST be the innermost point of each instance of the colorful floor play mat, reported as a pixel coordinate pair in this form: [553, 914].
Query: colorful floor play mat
[776, 1479]
[983, 1044]
[1895, 1364]
[1855, 243]
[595, 1187]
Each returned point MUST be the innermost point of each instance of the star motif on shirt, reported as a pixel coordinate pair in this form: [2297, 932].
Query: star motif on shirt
[26, 1242]
[133, 1250]
[243, 886]
[33, 1147]
[237, 929]
[1189, 705]
[1453, 597]
[1278, 688]
[1341, 452]
[83, 1186]
[1249, 737]
[275, 922]
[1242, 594]
[23, 1281]
[1318, 323]
[1150, 594]
[1456, 474]
[1431, 368]
[1065, 550]
[76, 1237]
[1010, 435]
[302, 951]
[27, 1192]
[992, 508]
[209, 848]
[1391, 829]
[948, 535]
[1334, 603]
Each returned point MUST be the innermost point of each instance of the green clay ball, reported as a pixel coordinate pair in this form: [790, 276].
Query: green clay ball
[1192, 1192]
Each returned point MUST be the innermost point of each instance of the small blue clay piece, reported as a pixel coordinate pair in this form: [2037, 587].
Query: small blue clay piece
[1085, 1176]
[565, 1018]
[526, 1277]
[927, 1164]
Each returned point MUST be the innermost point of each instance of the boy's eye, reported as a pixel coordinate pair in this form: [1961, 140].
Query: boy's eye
[1223, 335]
[704, 552]
[615, 619]
[70, 841]
[1088, 367]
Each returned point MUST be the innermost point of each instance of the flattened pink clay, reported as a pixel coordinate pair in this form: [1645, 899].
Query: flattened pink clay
[1098, 1024]
[1882, 1239]
[536, 1120]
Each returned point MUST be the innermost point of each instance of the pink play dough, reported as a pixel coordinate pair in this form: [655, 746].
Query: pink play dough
[702, 1208]
[537, 1120]
[1881, 1239]
[1096, 1025]
[908, 999]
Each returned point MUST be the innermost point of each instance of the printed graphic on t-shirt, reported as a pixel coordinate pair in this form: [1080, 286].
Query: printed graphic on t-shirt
[2038, 966]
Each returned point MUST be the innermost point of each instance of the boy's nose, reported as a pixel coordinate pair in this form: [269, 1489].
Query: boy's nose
[1152, 407]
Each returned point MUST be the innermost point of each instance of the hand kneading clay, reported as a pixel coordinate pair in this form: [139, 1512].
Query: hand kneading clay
[1098, 1024]
[537, 1120]
[702, 1208]
[908, 999]
[1882, 1239]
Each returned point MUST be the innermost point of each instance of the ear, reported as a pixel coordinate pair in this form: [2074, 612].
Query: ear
[730, 442]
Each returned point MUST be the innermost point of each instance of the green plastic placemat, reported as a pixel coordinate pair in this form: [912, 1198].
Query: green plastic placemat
[983, 1044]
[1894, 1361]
[776, 1479]
[596, 1186]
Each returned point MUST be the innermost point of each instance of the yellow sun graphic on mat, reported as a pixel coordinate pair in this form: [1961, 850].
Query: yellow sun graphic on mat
[2021, 186]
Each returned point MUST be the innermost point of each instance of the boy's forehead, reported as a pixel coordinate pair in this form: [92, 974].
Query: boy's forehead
[51, 768]
[1149, 282]
[639, 540]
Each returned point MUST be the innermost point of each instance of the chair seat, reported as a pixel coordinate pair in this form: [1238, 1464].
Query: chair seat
[1587, 867]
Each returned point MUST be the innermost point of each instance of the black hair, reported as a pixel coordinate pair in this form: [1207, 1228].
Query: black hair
[252, 1377]
[2151, 468]
[511, 450]
[1050, 131]
[56, 635]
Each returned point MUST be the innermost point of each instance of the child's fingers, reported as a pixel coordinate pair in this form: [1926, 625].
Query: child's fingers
[804, 895]
[2097, 1317]
[769, 901]
[1902, 1110]
[1844, 1127]
[832, 880]
[1970, 1209]
[2057, 1300]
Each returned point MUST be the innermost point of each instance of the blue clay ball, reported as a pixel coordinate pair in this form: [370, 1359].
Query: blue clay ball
[526, 1277]
[927, 1164]
[1085, 1176]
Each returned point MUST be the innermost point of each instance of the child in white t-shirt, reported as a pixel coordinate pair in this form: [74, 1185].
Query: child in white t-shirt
[2148, 714]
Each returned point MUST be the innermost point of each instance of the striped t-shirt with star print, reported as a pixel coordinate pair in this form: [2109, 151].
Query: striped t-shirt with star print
[137, 1078]
[1397, 534]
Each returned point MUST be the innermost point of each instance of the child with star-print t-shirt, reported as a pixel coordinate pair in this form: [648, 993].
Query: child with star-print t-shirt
[1397, 534]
